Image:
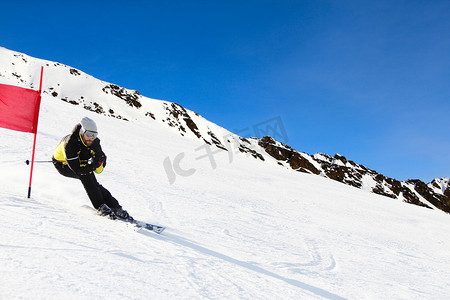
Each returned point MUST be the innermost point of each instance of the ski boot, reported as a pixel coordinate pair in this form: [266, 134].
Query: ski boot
[104, 210]
[122, 214]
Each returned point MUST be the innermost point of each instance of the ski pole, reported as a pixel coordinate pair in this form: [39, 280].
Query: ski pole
[38, 161]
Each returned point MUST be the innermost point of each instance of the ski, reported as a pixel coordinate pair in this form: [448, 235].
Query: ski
[139, 224]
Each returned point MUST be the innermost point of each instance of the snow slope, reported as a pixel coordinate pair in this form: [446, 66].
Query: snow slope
[236, 231]
[238, 228]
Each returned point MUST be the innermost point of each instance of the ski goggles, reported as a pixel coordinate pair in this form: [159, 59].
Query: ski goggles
[91, 134]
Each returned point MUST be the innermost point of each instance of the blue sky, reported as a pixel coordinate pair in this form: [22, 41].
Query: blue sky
[366, 79]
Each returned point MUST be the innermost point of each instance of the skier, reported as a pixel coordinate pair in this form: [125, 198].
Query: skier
[79, 155]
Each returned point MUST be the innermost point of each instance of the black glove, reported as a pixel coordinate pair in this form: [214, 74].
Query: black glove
[102, 159]
[90, 166]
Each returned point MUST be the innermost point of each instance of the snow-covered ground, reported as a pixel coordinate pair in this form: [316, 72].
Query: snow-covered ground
[240, 229]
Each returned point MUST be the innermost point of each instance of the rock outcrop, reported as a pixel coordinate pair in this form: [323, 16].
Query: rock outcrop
[432, 195]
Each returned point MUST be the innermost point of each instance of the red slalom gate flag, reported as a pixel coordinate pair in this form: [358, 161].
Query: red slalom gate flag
[19, 110]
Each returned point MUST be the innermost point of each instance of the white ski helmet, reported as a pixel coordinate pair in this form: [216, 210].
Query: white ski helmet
[89, 128]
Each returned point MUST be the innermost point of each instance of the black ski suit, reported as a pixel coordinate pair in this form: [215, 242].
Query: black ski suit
[72, 158]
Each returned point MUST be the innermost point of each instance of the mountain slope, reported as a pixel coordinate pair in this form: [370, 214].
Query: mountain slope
[75, 87]
[246, 229]
[64, 83]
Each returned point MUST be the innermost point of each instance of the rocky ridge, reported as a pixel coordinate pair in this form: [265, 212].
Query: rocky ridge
[435, 194]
